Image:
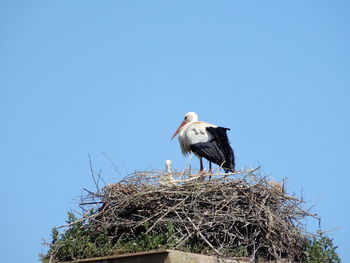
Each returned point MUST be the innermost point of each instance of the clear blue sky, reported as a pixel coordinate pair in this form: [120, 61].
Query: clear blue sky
[87, 77]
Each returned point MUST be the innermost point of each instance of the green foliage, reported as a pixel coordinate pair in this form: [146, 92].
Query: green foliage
[148, 241]
[79, 242]
[320, 249]
[240, 252]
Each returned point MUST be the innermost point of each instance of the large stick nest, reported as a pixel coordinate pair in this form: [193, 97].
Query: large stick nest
[236, 210]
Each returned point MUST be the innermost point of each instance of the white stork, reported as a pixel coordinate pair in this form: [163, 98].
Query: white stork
[205, 140]
[167, 179]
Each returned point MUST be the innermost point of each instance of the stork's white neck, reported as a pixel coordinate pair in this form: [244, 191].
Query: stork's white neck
[184, 128]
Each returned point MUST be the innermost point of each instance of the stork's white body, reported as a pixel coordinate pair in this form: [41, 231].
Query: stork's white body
[192, 133]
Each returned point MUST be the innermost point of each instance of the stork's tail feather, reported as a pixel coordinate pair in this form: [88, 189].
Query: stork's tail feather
[230, 168]
[220, 135]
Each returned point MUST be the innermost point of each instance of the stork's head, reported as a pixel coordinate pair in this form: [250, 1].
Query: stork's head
[189, 118]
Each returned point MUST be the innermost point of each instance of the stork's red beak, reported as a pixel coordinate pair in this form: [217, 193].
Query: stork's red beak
[178, 129]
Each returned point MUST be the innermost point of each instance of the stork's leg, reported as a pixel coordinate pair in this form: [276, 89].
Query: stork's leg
[200, 164]
[209, 171]
[201, 173]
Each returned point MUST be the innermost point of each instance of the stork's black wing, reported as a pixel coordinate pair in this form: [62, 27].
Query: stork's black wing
[217, 150]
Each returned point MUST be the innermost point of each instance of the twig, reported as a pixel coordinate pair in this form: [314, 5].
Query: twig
[203, 237]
